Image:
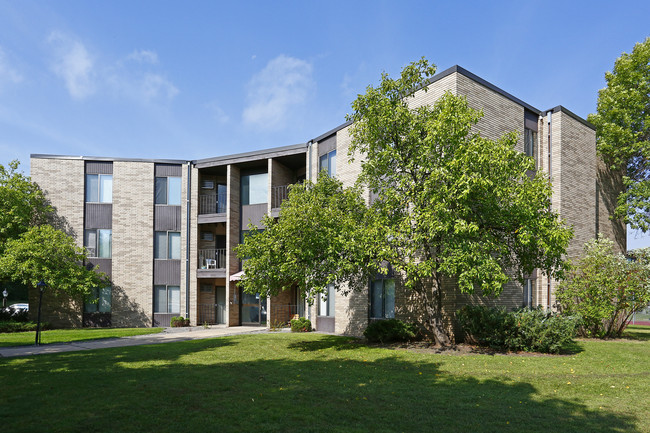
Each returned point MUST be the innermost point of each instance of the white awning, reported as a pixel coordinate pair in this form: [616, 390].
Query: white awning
[237, 276]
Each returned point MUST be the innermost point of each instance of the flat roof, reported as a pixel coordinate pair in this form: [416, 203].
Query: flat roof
[273, 152]
[107, 158]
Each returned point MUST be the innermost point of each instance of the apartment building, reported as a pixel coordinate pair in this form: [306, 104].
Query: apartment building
[164, 230]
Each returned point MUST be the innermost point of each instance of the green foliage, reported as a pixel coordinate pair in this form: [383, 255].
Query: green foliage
[623, 131]
[529, 330]
[605, 289]
[14, 326]
[301, 324]
[179, 322]
[391, 330]
[45, 253]
[322, 237]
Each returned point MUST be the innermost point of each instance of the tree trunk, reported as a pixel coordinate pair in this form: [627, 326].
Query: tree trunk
[431, 296]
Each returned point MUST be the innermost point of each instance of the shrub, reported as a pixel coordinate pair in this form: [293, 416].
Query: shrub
[529, 330]
[12, 326]
[178, 322]
[605, 289]
[301, 324]
[9, 315]
[391, 330]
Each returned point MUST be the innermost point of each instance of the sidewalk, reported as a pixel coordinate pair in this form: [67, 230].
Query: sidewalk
[169, 335]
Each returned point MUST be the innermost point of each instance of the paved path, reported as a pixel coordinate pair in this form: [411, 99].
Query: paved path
[169, 335]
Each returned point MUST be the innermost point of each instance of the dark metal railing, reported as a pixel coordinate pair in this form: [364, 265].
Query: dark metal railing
[212, 314]
[281, 314]
[278, 195]
[212, 203]
[212, 258]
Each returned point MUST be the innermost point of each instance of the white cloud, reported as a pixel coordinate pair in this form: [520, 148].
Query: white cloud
[154, 86]
[217, 112]
[7, 73]
[277, 90]
[144, 56]
[73, 64]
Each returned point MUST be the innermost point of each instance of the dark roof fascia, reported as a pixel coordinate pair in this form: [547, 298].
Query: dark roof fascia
[561, 109]
[332, 131]
[293, 149]
[109, 159]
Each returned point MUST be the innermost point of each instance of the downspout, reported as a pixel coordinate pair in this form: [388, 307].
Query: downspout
[549, 116]
[187, 239]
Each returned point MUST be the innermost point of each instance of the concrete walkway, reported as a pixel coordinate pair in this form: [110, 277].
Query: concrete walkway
[169, 335]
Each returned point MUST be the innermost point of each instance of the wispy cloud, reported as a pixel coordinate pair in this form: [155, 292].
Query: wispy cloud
[218, 113]
[7, 73]
[276, 91]
[74, 64]
[144, 56]
[156, 86]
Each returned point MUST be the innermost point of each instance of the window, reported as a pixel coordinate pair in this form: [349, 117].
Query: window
[98, 242]
[382, 298]
[326, 302]
[167, 299]
[327, 162]
[167, 245]
[530, 143]
[207, 236]
[99, 301]
[528, 293]
[254, 189]
[99, 188]
[168, 190]
[207, 184]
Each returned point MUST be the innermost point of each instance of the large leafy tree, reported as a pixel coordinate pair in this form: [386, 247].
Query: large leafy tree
[323, 236]
[452, 203]
[605, 288]
[623, 132]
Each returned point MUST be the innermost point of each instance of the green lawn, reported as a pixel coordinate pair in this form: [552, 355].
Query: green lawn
[70, 335]
[281, 382]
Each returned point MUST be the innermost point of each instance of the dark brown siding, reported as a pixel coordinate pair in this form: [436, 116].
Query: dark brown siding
[167, 218]
[327, 145]
[168, 170]
[105, 265]
[167, 272]
[254, 213]
[99, 167]
[99, 216]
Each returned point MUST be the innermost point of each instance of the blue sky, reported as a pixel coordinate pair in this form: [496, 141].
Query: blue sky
[189, 80]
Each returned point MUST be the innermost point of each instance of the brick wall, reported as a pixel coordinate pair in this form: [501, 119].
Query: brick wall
[232, 238]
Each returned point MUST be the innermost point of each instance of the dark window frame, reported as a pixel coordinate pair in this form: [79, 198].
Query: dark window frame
[167, 254]
[158, 197]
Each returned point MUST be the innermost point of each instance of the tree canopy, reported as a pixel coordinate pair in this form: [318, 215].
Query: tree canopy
[622, 125]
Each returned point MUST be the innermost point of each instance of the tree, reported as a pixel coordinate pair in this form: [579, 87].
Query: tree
[452, 203]
[47, 254]
[22, 204]
[323, 236]
[623, 132]
[605, 289]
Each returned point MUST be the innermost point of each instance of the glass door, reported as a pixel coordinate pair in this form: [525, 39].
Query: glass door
[252, 309]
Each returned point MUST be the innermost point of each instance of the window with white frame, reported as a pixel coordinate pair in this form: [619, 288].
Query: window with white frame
[327, 163]
[382, 298]
[98, 242]
[167, 299]
[167, 245]
[326, 302]
[99, 300]
[99, 188]
[168, 190]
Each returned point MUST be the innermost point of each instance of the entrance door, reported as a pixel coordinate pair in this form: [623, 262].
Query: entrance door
[325, 320]
[252, 309]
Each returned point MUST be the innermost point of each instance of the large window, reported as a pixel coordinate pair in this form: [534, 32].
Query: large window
[327, 162]
[98, 242]
[528, 293]
[99, 188]
[167, 245]
[254, 189]
[167, 299]
[99, 300]
[382, 298]
[326, 302]
[530, 143]
[168, 190]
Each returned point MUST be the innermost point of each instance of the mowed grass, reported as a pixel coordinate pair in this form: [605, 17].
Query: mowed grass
[282, 382]
[71, 335]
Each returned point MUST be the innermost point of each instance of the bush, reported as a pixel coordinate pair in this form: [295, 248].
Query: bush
[301, 324]
[178, 322]
[529, 330]
[12, 326]
[10, 315]
[391, 330]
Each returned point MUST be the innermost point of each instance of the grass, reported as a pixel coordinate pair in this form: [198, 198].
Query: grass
[70, 335]
[308, 382]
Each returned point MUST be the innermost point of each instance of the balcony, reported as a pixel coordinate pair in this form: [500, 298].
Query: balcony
[212, 263]
[212, 207]
[278, 194]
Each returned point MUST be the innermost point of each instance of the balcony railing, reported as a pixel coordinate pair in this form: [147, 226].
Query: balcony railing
[212, 203]
[278, 195]
[281, 314]
[212, 314]
[212, 258]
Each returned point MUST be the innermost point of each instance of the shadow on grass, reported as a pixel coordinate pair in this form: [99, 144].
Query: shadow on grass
[253, 384]
[637, 332]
